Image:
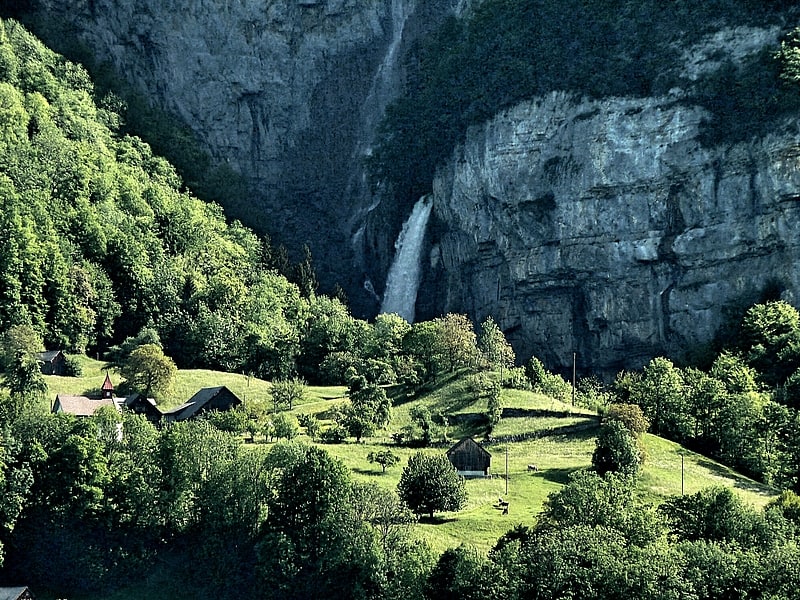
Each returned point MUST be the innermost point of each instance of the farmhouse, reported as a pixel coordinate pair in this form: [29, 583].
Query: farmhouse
[140, 405]
[470, 459]
[51, 362]
[207, 399]
[84, 406]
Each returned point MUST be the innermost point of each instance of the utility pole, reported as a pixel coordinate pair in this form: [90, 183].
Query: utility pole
[573, 378]
[506, 470]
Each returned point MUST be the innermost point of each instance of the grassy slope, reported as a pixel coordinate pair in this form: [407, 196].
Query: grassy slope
[480, 523]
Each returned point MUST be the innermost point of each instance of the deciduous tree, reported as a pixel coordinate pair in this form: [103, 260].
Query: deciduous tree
[149, 370]
[430, 483]
[385, 458]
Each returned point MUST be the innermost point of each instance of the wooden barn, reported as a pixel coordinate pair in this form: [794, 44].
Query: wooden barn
[138, 404]
[213, 398]
[470, 459]
[52, 362]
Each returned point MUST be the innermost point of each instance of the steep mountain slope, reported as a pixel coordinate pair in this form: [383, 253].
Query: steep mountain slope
[628, 178]
[287, 93]
[606, 228]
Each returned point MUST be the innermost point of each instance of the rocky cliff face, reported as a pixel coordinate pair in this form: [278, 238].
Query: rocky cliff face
[608, 229]
[604, 228]
[286, 92]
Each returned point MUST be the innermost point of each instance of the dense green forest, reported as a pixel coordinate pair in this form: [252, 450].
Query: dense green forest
[104, 250]
[507, 51]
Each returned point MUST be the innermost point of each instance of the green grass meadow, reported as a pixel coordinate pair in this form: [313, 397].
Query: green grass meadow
[556, 437]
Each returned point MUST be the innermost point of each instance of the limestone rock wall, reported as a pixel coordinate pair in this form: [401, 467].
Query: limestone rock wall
[607, 229]
[286, 92]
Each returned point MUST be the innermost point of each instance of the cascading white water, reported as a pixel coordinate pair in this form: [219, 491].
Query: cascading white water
[385, 86]
[385, 81]
[402, 282]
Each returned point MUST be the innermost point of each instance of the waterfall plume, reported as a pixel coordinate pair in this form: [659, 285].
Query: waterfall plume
[402, 282]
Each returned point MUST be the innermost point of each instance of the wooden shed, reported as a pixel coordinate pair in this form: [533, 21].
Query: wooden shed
[470, 459]
[52, 362]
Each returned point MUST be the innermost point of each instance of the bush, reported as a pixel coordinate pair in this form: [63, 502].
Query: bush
[335, 434]
[515, 379]
[630, 415]
[73, 367]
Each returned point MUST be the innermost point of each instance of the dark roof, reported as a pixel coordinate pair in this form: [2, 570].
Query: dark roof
[198, 402]
[468, 443]
[137, 398]
[138, 404]
[46, 356]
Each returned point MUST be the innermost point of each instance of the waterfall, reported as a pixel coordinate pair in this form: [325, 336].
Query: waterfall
[402, 282]
[384, 82]
[383, 89]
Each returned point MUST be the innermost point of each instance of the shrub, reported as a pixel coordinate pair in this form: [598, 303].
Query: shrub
[73, 367]
[515, 379]
[335, 434]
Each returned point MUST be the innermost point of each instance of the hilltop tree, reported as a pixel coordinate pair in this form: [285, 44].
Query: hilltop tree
[385, 458]
[456, 340]
[616, 450]
[661, 393]
[285, 392]
[629, 415]
[430, 483]
[149, 371]
[368, 409]
[494, 348]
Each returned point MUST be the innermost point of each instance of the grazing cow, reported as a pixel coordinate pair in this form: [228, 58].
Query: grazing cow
[532, 468]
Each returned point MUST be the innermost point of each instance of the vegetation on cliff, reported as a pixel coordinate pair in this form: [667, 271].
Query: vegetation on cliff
[507, 51]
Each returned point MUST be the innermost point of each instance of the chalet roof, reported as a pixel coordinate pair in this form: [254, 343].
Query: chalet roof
[196, 403]
[468, 443]
[46, 356]
[136, 398]
[15, 593]
[82, 406]
[107, 385]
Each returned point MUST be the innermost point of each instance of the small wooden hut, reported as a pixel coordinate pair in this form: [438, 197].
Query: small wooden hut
[52, 362]
[470, 459]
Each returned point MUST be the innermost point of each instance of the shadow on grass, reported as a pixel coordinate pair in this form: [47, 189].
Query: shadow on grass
[740, 480]
[368, 472]
[509, 413]
[436, 520]
[556, 475]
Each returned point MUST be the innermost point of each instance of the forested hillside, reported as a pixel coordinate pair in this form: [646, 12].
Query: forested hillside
[100, 239]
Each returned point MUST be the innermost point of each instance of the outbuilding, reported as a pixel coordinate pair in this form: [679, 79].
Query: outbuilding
[52, 362]
[207, 399]
[470, 458]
